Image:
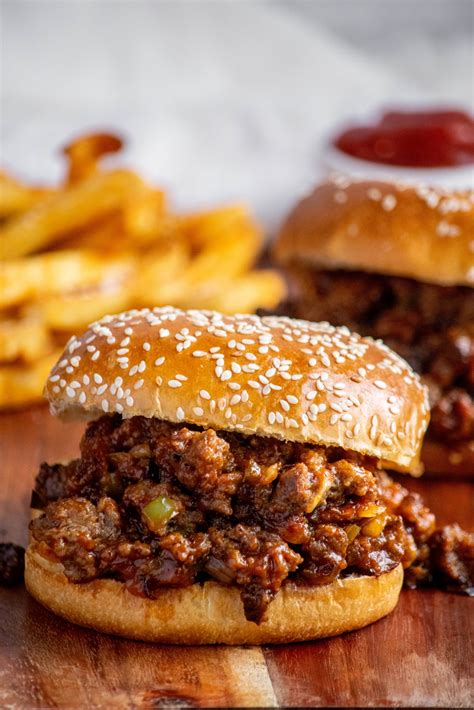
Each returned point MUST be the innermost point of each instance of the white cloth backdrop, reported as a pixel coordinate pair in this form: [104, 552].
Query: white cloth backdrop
[220, 100]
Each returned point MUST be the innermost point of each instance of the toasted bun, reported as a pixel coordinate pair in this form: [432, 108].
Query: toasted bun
[212, 613]
[448, 459]
[294, 380]
[388, 228]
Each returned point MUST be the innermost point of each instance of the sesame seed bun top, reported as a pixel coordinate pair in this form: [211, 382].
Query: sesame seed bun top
[273, 376]
[419, 232]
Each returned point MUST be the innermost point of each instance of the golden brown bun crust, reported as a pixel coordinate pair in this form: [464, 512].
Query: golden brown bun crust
[212, 613]
[382, 227]
[453, 460]
[294, 380]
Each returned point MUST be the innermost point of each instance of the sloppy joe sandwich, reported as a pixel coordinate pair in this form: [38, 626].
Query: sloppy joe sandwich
[395, 261]
[230, 485]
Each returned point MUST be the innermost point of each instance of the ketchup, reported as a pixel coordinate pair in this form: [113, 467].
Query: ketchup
[421, 139]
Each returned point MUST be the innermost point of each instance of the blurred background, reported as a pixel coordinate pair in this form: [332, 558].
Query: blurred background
[225, 109]
[221, 100]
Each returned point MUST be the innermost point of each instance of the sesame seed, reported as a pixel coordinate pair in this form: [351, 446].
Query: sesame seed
[271, 417]
[138, 384]
[174, 383]
[70, 392]
[105, 405]
[159, 361]
[198, 411]
[97, 379]
[142, 366]
[96, 355]
[284, 405]
[183, 378]
[292, 399]
[198, 353]
[129, 401]
[380, 384]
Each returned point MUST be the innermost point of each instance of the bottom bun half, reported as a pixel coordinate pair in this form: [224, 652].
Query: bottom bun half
[212, 613]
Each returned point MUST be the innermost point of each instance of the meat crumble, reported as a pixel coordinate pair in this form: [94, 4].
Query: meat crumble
[430, 326]
[12, 563]
[156, 505]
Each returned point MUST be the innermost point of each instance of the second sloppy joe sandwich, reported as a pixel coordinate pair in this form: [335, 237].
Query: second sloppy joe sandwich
[230, 485]
[395, 261]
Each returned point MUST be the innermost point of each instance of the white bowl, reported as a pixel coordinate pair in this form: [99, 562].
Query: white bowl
[449, 178]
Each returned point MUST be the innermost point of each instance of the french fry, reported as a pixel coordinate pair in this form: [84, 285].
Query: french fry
[25, 339]
[215, 265]
[73, 313]
[255, 289]
[161, 268]
[84, 153]
[202, 229]
[106, 235]
[57, 215]
[43, 275]
[23, 384]
[17, 197]
[145, 219]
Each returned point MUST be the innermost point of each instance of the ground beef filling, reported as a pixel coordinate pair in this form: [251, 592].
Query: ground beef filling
[431, 326]
[160, 505]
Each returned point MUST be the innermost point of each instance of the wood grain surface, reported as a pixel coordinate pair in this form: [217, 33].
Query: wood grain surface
[419, 656]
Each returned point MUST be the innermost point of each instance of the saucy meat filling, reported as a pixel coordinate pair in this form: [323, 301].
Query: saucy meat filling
[431, 326]
[157, 505]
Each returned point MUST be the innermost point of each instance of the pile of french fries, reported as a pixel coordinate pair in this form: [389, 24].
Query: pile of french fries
[102, 242]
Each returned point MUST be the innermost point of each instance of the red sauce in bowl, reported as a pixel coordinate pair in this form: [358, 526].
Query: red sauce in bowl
[421, 139]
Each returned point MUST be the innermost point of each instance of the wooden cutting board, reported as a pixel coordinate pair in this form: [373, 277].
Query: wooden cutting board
[421, 655]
